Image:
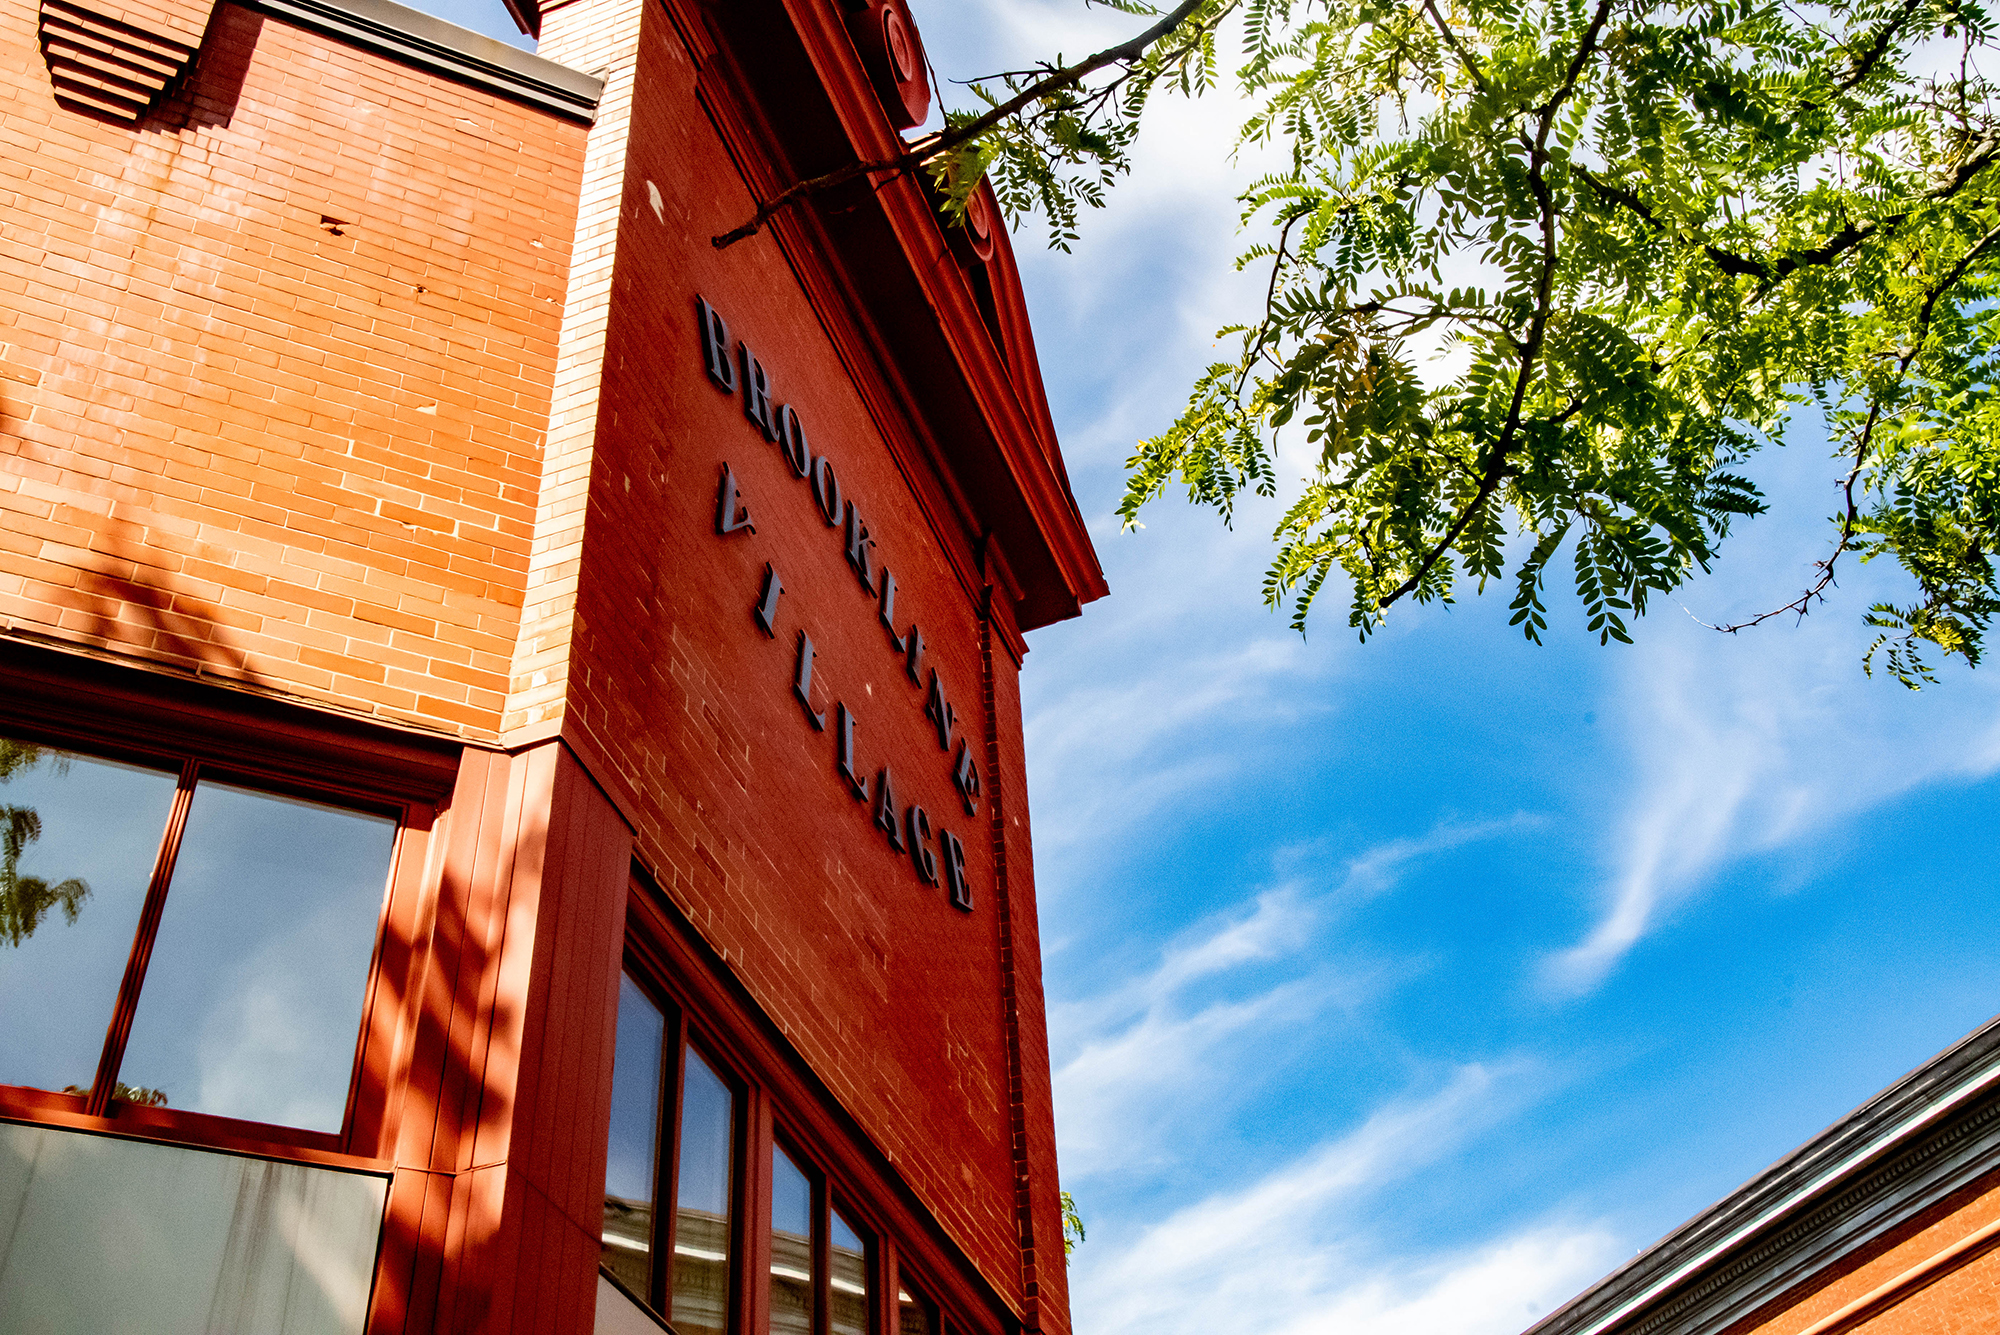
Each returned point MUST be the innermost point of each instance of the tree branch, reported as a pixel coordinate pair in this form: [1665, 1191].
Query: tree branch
[1270, 296]
[1465, 57]
[1866, 63]
[1851, 520]
[937, 145]
[1531, 350]
[1846, 239]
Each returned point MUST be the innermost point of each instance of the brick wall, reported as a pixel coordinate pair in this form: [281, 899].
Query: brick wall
[602, 36]
[278, 366]
[685, 705]
[275, 369]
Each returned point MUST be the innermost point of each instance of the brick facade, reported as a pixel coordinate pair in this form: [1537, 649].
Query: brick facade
[277, 370]
[332, 375]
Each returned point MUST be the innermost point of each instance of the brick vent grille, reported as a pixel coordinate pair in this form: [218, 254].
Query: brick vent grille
[98, 63]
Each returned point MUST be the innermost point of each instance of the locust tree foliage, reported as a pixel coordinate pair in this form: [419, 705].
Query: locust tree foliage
[1688, 224]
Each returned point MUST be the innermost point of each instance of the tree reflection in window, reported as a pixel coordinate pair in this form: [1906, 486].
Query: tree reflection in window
[98, 821]
[25, 901]
[224, 955]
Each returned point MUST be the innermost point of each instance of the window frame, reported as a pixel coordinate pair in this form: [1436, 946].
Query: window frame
[679, 1034]
[780, 1104]
[194, 732]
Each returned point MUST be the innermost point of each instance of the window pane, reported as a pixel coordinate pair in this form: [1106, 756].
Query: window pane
[701, 1223]
[631, 1163]
[252, 1001]
[78, 839]
[914, 1315]
[791, 1247]
[849, 1280]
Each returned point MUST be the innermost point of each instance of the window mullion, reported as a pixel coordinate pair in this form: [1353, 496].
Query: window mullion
[822, 1256]
[120, 1029]
[752, 1308]
[884, 1311]
[666, 1212]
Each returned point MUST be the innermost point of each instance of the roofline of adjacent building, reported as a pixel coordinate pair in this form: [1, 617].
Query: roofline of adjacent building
[1897, 1155]
[416, 38]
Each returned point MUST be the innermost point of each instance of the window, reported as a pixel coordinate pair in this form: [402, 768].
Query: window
[653, 1060]
[915, 1314]
[772, 1230]
[185, 936]
[801, 1276]
[847, 1279]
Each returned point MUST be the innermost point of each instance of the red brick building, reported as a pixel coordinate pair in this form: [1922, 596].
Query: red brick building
[1886, 1223]
[512, 811]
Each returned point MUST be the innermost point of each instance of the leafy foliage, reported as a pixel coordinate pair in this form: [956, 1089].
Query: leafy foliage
[1644, 236]
[1062, 151]
[1072, 1225]
[143, 1095]
[26, 900]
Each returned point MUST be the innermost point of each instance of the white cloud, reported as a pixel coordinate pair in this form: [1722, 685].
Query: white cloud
[1497, 1289]
[1111, 751]
[1283, 1254]
[1748, 744]
[1145, 1063]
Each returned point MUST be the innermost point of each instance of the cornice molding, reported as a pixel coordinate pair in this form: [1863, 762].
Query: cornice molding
[429, 43]
[1897, 1155]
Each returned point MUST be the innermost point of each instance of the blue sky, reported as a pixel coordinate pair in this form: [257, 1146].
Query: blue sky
[1413, 986]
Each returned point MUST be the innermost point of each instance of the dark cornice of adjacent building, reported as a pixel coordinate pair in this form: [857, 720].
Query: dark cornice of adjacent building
[1849, 1191]
[416, 38]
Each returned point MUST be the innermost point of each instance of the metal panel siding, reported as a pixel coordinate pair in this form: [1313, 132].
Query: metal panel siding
[117, 1236]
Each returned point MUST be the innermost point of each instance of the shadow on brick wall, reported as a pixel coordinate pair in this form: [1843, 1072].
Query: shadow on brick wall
[207, 97]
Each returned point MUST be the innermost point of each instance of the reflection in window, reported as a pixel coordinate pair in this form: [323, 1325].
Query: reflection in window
[914, 1314]
[252, 1000]
[695, 1289]
[233, 929]
[631, 1167]
[701, 1201]
[848, 1257]
[78, 840]
[791, 1247]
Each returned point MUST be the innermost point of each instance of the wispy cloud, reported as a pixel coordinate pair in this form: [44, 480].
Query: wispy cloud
[1283, 1254]
[1112, 753]
[1743, 746]
[1173, 1048]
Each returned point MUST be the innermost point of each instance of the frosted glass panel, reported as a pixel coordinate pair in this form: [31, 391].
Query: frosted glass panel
[252, 1001]
[82, 834]
[619, 1315]
[117, 1237]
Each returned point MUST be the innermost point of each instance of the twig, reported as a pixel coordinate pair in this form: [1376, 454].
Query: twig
[937, 145]
[1851, 520]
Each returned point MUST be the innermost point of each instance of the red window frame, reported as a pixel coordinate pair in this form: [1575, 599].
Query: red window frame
[779, 1104]
[677, 1037]
[96, 711]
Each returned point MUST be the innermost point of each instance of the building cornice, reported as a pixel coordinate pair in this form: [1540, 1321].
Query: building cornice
[416, 38]
[1897, 1155]
[990, 424]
